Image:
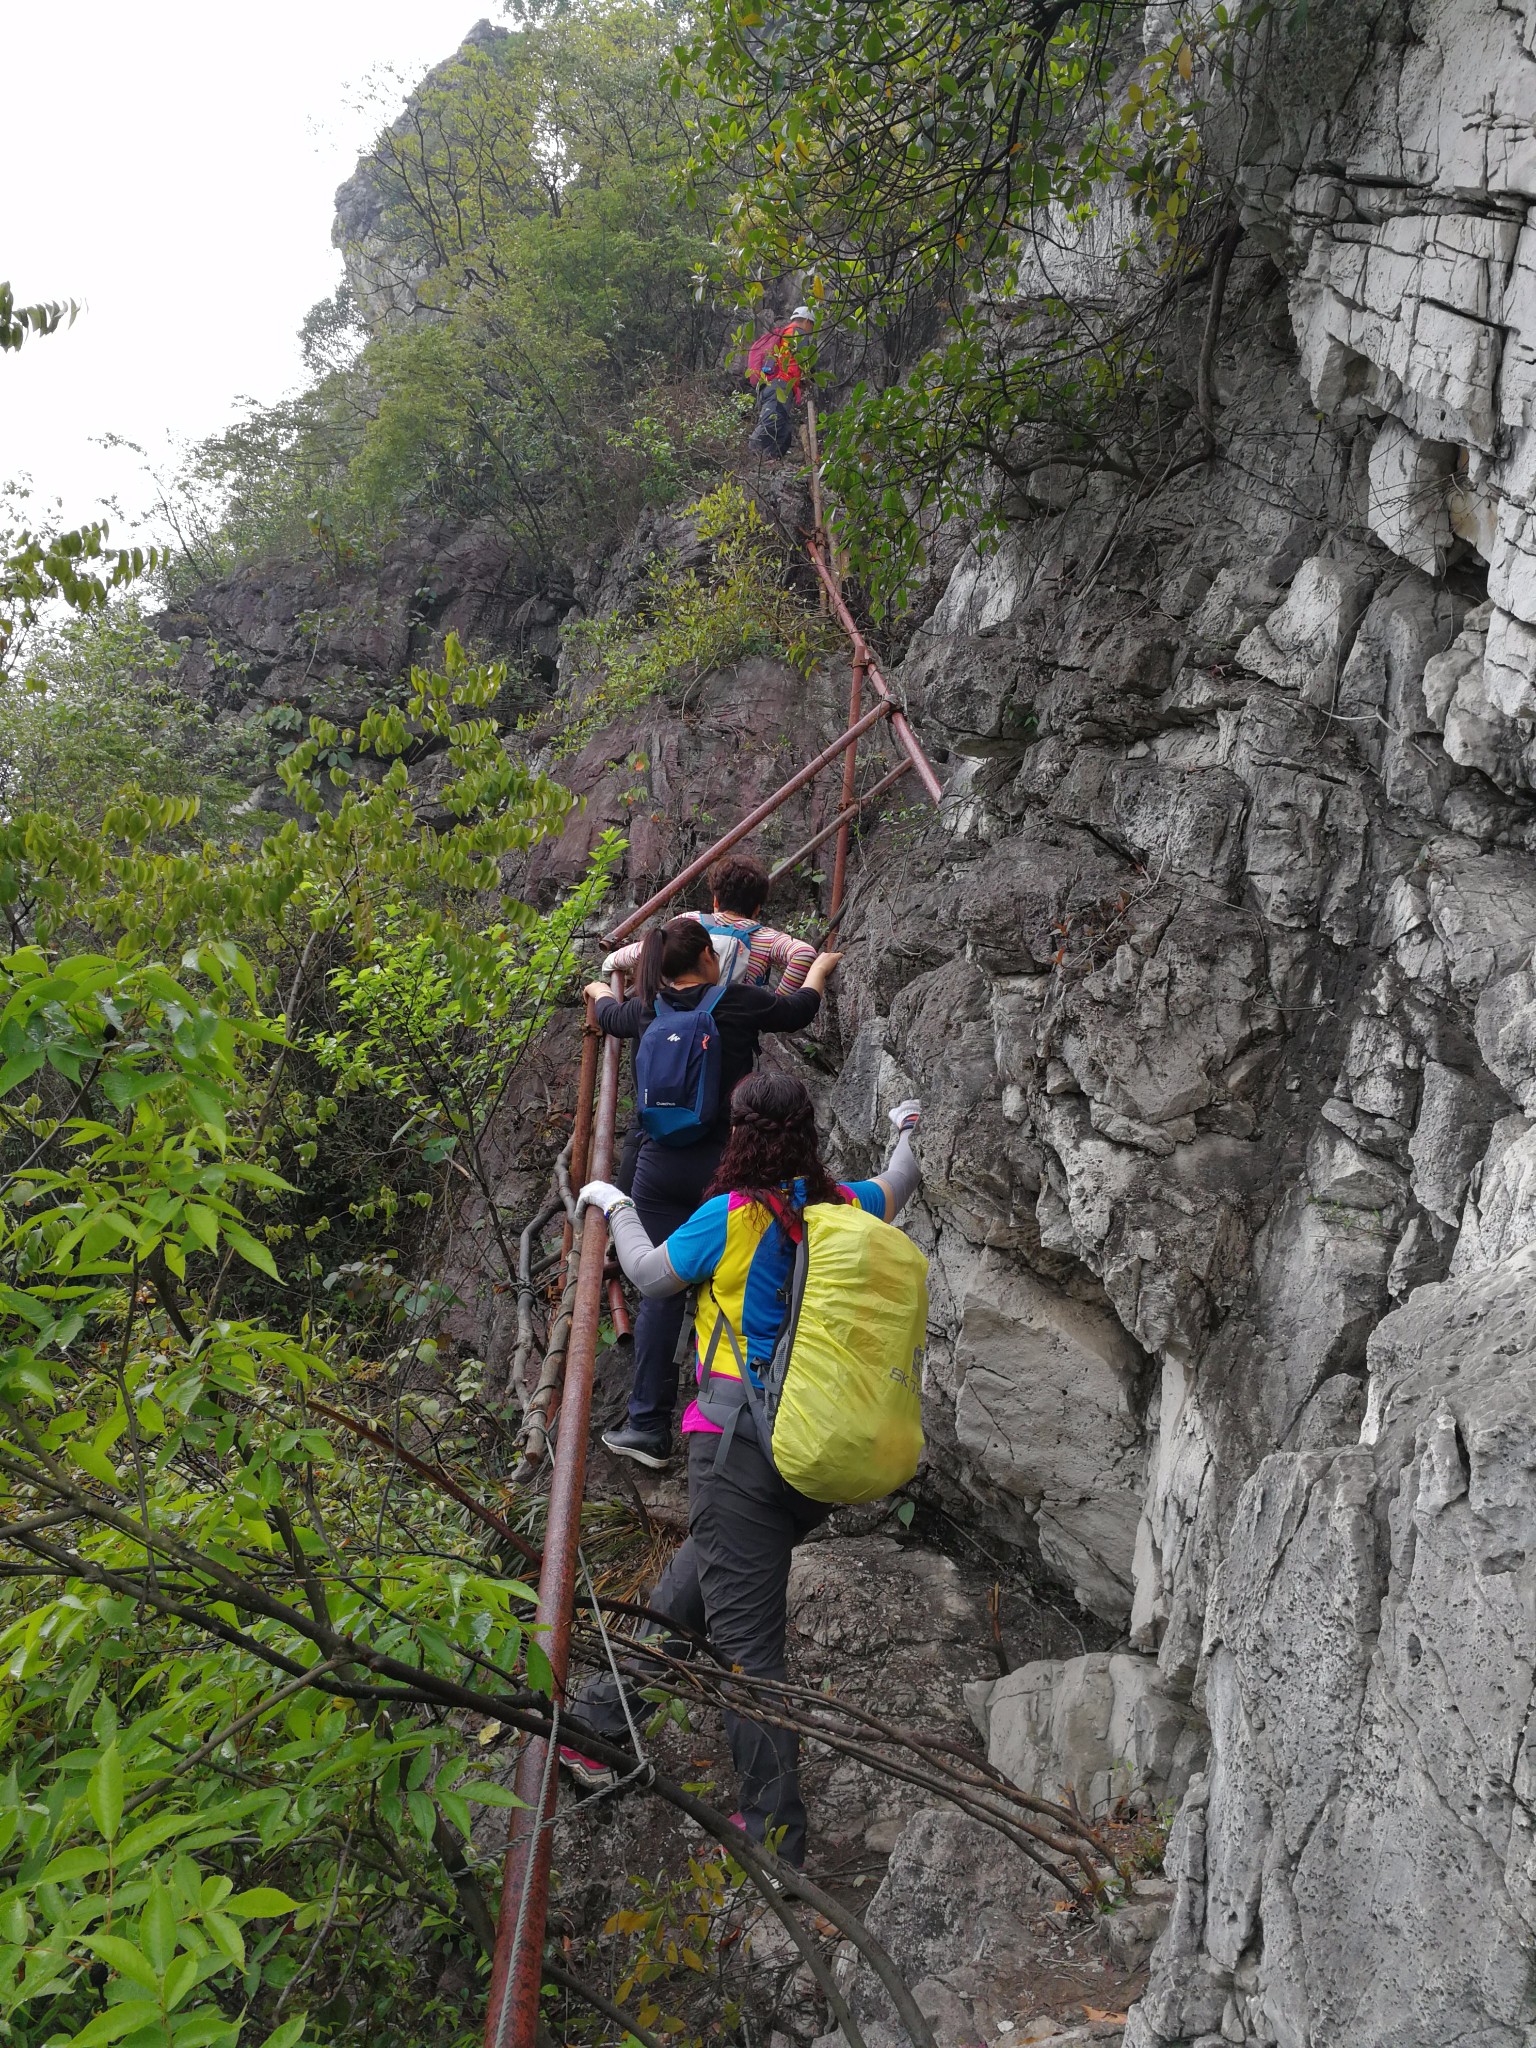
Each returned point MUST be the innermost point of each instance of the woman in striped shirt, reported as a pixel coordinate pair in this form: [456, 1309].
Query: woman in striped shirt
[749, 951]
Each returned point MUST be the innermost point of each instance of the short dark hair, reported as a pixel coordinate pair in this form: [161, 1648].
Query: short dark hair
[739, 883]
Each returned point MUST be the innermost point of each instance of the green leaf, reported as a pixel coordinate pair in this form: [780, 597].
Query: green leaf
[104, 1793]
[264, 1902]
[126, 1959]
[117, 2021]
[288, 2035]
[202, 2030]
[179, 1979]
[203, 1224]
[73, 1864]
[25, 1376]
[157, 1927]
[225, 1936]
[254, 1253]
[540, 1673]
[484, 1793]
[150, 1834]
[96, 1465]
[19, 1069]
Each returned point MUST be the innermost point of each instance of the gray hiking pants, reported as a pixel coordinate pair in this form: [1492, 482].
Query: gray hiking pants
[730, 1581]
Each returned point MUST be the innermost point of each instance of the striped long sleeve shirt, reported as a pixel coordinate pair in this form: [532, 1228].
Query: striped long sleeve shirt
[769, 949]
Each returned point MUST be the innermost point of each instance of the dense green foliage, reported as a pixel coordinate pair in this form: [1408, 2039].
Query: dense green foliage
[532, 343]
[98, 709]
[223, 1637]
[935, 172]
[691, 622]
[239, 1779]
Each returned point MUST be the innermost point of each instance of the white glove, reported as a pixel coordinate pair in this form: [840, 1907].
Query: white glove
[906, 1114]
[601, 1194]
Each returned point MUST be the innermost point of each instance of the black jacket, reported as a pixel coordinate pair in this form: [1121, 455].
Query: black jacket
[743, 1014]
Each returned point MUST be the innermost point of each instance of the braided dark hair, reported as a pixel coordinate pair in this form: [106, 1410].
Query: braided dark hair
[773, 1144]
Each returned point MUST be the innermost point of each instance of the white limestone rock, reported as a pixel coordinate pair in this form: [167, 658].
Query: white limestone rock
[1047, 1405]
[1500, 1215]
[1302, 645]
[1444, 673]
[1103, 1728]
[1409, 506]
[1506, 1033]
[1448, 1140]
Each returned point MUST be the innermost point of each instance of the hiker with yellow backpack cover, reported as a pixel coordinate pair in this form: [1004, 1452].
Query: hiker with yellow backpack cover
[811, 1319]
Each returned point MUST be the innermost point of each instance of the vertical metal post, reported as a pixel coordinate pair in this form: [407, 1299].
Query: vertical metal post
[512, 2014]
[816, 513]
[850, 776]
[749, 823]
[899, 725]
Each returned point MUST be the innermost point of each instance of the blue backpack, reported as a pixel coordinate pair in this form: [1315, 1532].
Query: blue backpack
[677, 1071]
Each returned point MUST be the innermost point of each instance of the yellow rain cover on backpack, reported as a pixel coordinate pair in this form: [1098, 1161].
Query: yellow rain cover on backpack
[848, 1423]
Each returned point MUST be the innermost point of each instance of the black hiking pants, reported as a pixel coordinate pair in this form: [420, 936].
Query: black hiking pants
[774, 434]
[668, 1185]
[730, 1582]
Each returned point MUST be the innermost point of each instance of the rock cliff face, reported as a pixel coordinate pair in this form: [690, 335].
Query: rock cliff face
[1217, 980]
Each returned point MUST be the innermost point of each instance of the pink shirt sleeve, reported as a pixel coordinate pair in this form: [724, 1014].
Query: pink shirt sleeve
[793, 956]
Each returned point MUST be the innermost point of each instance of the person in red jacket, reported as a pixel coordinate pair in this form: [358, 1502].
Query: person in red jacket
[772, 366]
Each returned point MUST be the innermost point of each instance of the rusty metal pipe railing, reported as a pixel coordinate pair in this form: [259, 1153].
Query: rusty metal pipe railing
[581, 1131]
[850, 777]
[754, 818]
[618, 1307]
[899, 725]
[512, 2013]
[840, 824]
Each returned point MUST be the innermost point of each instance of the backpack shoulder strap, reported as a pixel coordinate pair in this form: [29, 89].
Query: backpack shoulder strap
[714, 994]
[792, 1225]
[749, 1397]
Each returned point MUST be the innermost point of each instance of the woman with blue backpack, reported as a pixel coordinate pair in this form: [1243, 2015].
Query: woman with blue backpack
[698, 1037]
[812, 1315]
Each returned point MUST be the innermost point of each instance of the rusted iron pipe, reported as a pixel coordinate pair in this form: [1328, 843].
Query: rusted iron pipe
[750, 823]
[814, 450]
[581, 1133]
[618, 1307]
[899, 724]
[850, 774]
[839, 825]
[512, 2012]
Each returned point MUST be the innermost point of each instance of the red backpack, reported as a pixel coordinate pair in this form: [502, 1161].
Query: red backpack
[761, 349]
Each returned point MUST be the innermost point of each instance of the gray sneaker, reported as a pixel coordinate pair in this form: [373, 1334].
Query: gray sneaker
[651, 1451]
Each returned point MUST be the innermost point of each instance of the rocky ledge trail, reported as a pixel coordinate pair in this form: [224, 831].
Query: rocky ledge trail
[896, 1620]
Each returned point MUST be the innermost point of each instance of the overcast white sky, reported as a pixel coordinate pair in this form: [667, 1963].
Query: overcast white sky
[170, 164]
